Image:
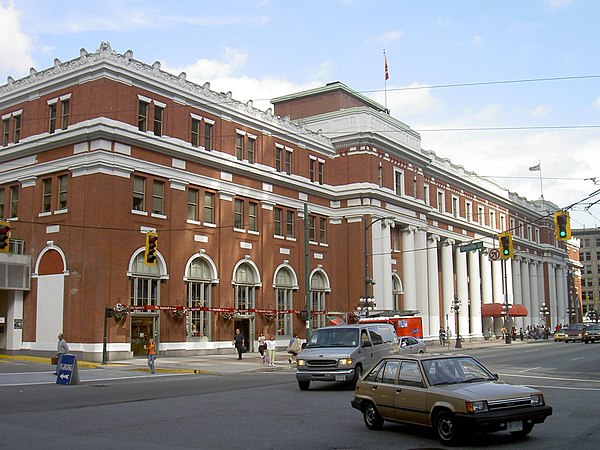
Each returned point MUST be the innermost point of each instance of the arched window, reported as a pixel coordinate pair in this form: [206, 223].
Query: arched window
[244, 285]
[397, 291]
[199, 277]
[145, 282]
[319, 285]
[284, 288]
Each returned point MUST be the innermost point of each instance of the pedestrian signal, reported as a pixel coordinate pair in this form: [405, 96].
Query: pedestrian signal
[4, 237]
[151, 248]
[506, 245]
[562, 225]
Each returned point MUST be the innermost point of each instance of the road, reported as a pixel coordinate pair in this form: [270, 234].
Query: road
[268, 411]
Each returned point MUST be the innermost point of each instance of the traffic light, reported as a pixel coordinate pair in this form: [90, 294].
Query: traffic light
[4, 237]
[562, 225]
[151, 248]
[506, 245]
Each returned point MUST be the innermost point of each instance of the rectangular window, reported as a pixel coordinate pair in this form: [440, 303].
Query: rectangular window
[426, 194]
[64, 122]
[158, 120]
[14, 201]
[290, 224]
[158, 194]
[469, 208]
[46, 195]
[493, 220]
[312, 169]
[440, 201]
[5, 130]
[238, 214]
[239, 146]
[380, 176]
[192, 206]
[321, 172]
[143, 115]
[311, 229]
[209, 207]
[323, 231]
[2, 203]
[454, 206]
[253, 216]
[208, 135]
[139, 190]
[52, 124]
[251, 149]
[480, 215]
[278, 152]
[17, 136]
[195, 132]
[288, 162]
[277, 219]
[63, 189]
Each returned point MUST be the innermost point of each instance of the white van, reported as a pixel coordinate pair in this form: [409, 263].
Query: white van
[342, 353]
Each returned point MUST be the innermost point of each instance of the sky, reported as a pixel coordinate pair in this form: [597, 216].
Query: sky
[497, 86]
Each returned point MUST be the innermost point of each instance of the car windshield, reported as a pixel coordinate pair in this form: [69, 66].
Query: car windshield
[334, 337]
[455, 370]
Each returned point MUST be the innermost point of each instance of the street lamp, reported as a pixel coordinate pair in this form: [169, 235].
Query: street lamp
[571, 313]
[544, 311]
[368, 280]
[506, 310]
[455, 308]
[366, 304]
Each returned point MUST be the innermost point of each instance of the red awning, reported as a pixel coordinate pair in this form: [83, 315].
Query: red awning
[496, 310]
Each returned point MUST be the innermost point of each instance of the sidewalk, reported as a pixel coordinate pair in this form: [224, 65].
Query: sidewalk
[229, 363]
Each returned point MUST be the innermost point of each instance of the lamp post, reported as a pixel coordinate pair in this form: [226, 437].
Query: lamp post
[455, 308]
[544, 311]
[571, 313]
[366, 304]
[368, 280]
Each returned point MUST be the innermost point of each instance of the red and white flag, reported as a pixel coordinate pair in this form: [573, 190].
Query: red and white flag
[387, 70]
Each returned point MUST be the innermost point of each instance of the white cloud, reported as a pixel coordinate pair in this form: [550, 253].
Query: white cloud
[477, 41]
[540, 111]
[385, 38]
[559, 4]
[15, 45]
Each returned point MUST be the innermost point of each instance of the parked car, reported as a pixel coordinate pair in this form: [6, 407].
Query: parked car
[452, 394]
[591, 333]
[410, 345]
[342, 353]
[559, 335]
[574, 332]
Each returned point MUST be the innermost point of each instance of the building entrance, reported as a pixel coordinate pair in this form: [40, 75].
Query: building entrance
[142, 329]
[247, 329]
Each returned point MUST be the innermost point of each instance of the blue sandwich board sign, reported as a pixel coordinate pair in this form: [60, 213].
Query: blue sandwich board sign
[67, 372]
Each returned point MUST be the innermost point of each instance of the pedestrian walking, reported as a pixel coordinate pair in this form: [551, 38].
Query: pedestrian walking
[61, 348]
[238, 342]
[442, 334]
[262, 346]
[151, 349]
[271, 346]
[294, 348]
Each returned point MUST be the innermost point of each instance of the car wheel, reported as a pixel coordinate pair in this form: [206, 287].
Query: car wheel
[446, 428]
[527, 427]
[373, 420]
[357, 374]
[304, 385]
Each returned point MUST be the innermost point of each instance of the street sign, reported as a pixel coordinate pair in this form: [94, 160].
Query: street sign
[67, 370]
[494, 254]
[471, 246]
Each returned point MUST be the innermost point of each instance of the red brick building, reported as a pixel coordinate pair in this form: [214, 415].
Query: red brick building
[328, 195]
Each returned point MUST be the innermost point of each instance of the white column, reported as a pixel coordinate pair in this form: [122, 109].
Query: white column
[433, 289]
[487, 293]
[535, 294]
[462, 291]
[475, 294]
[408, 268]
[551, 318]
[516, 277]
[14, 337]
[497, 283]
[421, 276]
[561, 294]
[447, 281]
[542, 295]
[381, 250]
[526, 293]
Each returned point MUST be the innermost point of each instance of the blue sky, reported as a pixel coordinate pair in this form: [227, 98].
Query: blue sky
[260, 49]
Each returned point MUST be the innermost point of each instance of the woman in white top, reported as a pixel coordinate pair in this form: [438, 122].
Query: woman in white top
[271, 346]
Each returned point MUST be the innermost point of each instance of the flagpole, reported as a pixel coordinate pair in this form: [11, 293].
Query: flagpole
[541, 183]
[385, 78]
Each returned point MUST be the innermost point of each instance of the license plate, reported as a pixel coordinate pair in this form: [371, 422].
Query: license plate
[340, 378]
[516, 425]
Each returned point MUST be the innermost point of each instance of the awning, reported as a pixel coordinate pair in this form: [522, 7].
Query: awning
[496, 310]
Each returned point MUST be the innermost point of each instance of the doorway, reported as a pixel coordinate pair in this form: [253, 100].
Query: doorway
[142, 329]
[247, 331]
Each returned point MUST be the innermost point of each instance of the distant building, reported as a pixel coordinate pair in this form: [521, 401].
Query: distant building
[589, 257]
[327, 199]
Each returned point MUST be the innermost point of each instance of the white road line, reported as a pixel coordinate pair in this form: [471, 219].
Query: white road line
[527, 370]
[550, 378]
[564, 387]
[575, 359]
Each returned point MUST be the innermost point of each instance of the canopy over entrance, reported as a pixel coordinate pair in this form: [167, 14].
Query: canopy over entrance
[496, 310]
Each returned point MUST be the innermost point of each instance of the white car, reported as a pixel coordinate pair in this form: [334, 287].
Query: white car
[409, 344]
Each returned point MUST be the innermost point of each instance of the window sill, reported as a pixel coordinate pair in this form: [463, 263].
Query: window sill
[138, 212]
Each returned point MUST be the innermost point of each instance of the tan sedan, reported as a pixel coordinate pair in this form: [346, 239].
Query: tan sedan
[449, 393]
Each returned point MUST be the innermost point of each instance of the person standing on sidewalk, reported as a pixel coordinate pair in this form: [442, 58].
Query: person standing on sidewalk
[262, 347]
[442, 336]
[271, 346]
[61, 348]
[293, 349]
[151, 348]
[238, 342]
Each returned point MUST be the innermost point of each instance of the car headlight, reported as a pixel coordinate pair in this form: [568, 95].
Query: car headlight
[301, 362]
[345, 362]
[478, 406]
[537, 399]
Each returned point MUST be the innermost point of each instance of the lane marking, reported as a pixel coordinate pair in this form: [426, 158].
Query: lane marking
[527, 370]
[579, 380]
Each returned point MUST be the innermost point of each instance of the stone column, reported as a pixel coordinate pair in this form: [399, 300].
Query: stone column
[422, 300]
[447, 282]
[534, 312]
[408, 268]
[433, 289]
[475, 294]
[462, 291]
[487, 293]
[526, 294]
